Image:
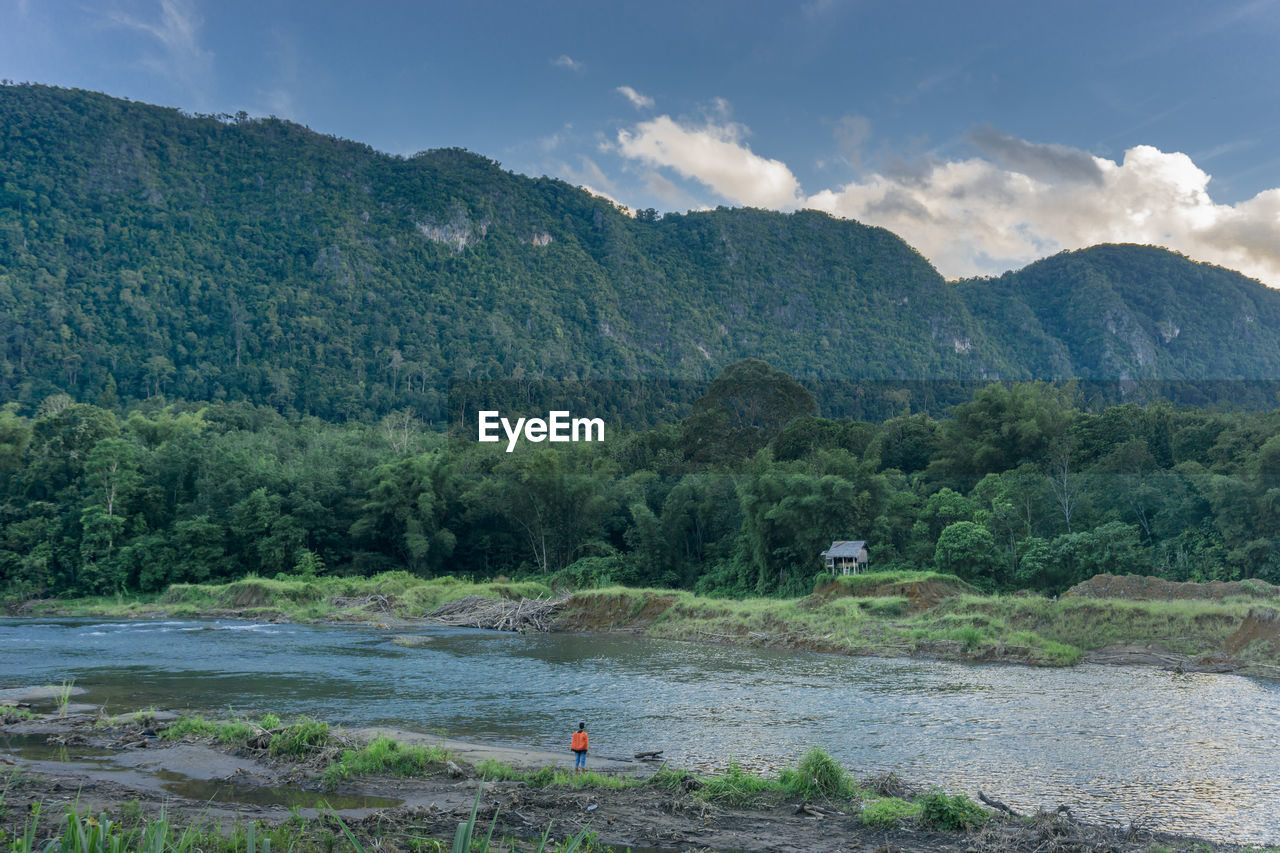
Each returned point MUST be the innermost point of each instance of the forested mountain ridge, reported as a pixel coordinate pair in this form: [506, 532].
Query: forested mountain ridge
[144, 252]
[1132, 312]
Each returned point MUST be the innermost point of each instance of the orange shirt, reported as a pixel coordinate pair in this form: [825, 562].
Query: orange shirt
[579, 743]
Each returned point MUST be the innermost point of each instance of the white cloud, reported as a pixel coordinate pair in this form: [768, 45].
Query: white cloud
[639, 101]
[975, 216]
[177, 31]
[1016, 202]
[716, 156]
[564, 60]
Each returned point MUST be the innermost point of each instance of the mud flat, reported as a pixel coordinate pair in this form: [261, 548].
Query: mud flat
[124, 766]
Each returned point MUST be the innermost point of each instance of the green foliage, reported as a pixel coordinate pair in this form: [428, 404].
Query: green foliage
[738, 788]
[491, 770]
[384, 756]
[230, 732]
[956, 812]
[300, 739]
[888, 812]
[818, 776]
[12, 712]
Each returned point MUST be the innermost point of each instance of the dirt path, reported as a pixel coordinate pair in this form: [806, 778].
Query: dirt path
[127, 768]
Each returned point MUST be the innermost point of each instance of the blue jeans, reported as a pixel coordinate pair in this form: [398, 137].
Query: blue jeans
[580, 759]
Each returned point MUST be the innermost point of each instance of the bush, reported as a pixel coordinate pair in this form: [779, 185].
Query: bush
[956, 813]
[594, 573]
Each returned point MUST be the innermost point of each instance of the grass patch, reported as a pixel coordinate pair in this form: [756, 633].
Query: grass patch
[233, 732]
[739, 788]
[543, 777]
[860, 584]
[13, 713]
[888, 812]
[818, 777]
[298, 598]
[384, 756]
[300, 739]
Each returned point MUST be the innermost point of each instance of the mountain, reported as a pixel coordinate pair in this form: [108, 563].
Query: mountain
[1134, 313]
[145, 252]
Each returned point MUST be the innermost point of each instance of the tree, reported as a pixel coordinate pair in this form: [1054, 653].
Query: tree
[746, 408]
[967, 550]
[405, 513]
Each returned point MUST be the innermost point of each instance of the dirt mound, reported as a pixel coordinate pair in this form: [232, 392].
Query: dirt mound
[1137, 587]
[1262, 623]
[920, 594]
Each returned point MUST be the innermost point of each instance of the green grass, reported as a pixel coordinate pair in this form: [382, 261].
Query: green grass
[387, 757]
[1018, 628]
[888, 812]
[818, 777]
[860, 584]
[543, 777]
[16, 713]
[739, 788]
[234, 732]
[62, 696]
[298, 598]
[300, 739]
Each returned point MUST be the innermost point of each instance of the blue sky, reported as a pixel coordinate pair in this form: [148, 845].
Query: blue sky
[988, 134]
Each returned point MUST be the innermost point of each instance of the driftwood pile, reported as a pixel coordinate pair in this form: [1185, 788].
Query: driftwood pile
[526, 614]
[374, 603]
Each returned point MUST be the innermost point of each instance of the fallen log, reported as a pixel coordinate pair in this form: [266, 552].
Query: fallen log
[996, 804]
[805, 808]
[649, 756]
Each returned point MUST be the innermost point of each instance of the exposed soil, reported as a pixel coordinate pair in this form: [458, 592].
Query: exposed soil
[612, 613]
[1138, 588]
[126, 768]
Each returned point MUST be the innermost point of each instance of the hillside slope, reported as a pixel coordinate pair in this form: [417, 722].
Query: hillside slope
[144, 252]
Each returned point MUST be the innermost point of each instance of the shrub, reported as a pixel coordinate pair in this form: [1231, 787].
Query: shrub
[942, 812]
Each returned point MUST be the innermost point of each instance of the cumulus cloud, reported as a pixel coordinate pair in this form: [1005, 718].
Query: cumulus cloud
[564, 60]
[1013, 203]
[715, 156]
[978, 216]
[177, 32]
[639, 101]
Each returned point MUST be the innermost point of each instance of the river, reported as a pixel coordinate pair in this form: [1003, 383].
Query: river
[1192, 753]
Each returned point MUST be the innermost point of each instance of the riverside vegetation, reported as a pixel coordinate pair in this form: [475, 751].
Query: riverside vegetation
[879, 613]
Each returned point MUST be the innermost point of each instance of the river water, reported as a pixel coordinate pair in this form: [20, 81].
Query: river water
[1190, 753]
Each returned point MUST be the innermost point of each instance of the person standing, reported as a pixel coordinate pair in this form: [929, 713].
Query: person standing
[579, 747]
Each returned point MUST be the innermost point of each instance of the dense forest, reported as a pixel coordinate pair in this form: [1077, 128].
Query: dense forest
[147, 254]
[1019, 487]
[234, 345]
